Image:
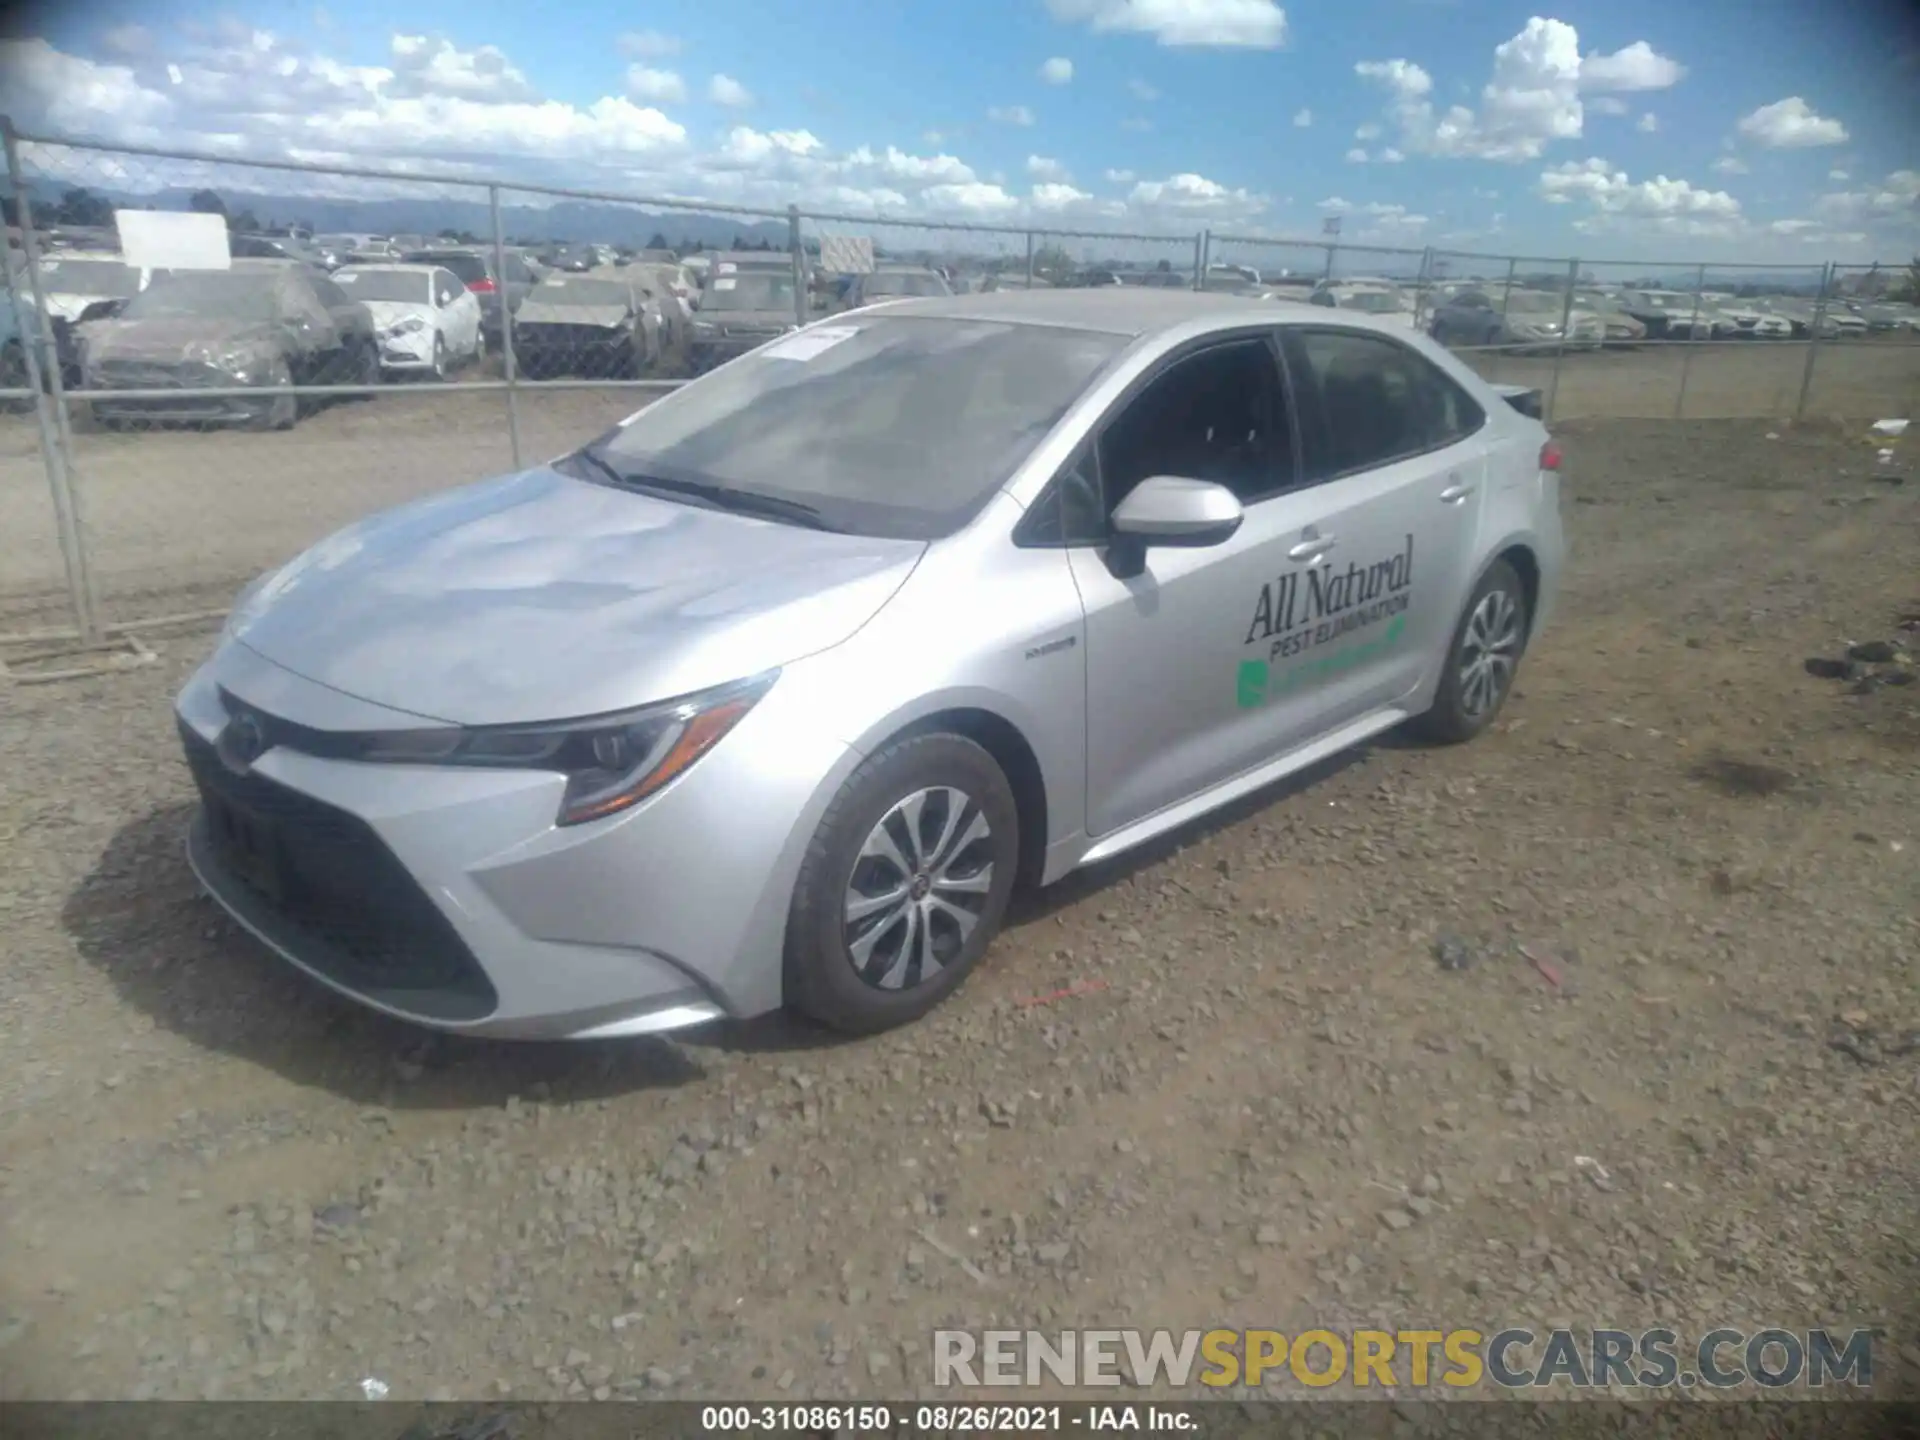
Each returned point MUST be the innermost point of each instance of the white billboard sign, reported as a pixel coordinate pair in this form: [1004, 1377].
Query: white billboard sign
[173, 240]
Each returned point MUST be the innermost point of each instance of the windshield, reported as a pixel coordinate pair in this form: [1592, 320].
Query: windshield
[888, 425]
[748, 290]
[90, 277]
[1372, 302]
[407, 285]
[903, 282]
[574, 290]
[210, 294]
[468, 267]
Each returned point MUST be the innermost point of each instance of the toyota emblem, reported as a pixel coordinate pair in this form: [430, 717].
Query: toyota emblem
[243, 742]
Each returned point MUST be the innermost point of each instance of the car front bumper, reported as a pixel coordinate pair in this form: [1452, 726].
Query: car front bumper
[446, 896]
[411, 351]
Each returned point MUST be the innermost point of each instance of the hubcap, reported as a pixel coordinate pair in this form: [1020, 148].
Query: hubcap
[919, 886]
[1488, 652]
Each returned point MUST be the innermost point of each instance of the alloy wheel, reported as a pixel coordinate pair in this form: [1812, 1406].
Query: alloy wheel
[919, 885]
[1489, 651]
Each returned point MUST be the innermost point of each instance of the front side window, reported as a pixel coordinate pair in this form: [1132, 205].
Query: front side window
[1381, 401]
[1219, 415]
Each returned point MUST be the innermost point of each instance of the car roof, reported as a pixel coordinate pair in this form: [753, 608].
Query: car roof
[1130, 310]
[405, 266]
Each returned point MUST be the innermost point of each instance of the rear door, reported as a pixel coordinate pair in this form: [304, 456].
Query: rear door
[1395, 458]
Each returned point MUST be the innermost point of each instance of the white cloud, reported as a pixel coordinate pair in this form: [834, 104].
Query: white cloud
[1368, 131]
[1356, 156]
[1791, 124]
[1894, 202]
[1648, 123]
[660, 87]
[1057, 71]
[1839, 177]
[1303, 119]
[725, 90]
[1730, 165]
[648, 44]
[1532, 100]
[432, 65]
[1190, 195]
[1389, 156]
[1224, 24]
[1041, 168]
[1119, 177]
[1636, 67]
[1616, 201]
[1054, 195]
[1608, 105]
[974, 197]
[1010, 115]
[1141, 90]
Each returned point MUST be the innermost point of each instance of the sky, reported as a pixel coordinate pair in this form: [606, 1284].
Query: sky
[1755, 130]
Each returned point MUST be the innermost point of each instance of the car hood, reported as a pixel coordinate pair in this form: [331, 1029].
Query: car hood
[68, 304]
[388, 313]
[545, 312]
[538, 596]
[746, 319]
[184, 339]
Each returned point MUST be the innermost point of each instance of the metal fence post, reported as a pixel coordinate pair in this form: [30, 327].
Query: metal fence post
[1560, 349]
[506, 326]
[50, 393]
[1199, 259]
[801, 309]
[1686, 355]
[1029, 259]
[1813, 339]
[1421, 284]
[1327, 274]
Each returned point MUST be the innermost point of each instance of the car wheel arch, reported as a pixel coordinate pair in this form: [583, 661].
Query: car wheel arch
[1517, 552]
[1011, 750]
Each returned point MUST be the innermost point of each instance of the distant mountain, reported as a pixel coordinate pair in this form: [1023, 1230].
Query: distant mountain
[582, 221]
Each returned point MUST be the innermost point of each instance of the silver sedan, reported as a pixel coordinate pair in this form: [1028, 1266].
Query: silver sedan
[771, 694]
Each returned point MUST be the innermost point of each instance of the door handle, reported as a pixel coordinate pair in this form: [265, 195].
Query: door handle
[1310, 550]
[1454, 494]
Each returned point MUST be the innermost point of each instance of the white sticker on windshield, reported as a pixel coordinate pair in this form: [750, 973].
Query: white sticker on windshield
[727, 267]
[809, 343]
[726, 284]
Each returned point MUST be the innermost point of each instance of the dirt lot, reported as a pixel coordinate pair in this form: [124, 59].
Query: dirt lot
[1261, 1102]
[178, 520]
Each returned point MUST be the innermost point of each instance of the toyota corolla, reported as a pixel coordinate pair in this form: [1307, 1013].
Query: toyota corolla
[771, 695]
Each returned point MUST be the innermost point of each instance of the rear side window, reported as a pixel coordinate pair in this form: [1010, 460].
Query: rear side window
[1379, 401]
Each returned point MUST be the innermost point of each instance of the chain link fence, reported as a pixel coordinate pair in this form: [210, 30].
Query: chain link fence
[165, 436]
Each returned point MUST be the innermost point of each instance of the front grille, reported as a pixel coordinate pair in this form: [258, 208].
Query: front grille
[566, 337]
[335, 882]
[148, 375]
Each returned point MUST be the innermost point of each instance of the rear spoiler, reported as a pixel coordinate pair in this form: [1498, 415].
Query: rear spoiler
[1526, 399]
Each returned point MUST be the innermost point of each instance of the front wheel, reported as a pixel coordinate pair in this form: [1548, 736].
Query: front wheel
[283, 411]
[1482, 660]
[904, 886]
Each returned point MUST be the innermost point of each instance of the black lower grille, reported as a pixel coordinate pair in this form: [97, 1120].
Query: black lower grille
[324, 876]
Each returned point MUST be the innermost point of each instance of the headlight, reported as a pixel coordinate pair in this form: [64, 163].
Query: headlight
[705, 327]
[236, 363]
[612, 762]
[412, 325]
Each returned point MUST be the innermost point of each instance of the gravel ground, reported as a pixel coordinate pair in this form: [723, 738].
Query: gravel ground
[177, 520]
[1260, 1099]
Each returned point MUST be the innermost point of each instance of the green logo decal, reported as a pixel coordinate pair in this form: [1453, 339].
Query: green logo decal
[1253, 683]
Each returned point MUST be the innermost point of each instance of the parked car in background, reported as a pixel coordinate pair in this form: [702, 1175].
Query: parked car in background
[274, 247]
[735, 262]
[476, 269]
[775, 692]
[1676, 315]
[1015, 280]
[1386, 303]
[895, 283]
[427, 319]
[263, 325]
[1617, 327]
[21, 325]
[75, 282]
[738, 313]
[604, 323]
[676, 291]
[1752, 323]
[1516, 319]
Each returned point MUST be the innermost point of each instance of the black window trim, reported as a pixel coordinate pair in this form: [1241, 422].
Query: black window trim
[1294, 338]
[1023, 536]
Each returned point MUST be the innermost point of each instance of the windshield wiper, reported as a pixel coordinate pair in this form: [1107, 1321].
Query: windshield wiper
[714, 497]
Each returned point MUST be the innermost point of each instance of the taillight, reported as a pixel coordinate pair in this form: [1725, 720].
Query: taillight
[1550, 456]
[480, 287]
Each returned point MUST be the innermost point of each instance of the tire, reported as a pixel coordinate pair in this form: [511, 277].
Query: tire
[1497, 612]
[284, 410]
[830, 958]
[439, 356]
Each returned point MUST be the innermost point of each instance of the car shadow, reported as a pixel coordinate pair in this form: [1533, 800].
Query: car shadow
[140, 917]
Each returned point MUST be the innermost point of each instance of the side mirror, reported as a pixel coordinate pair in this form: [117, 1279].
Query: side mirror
[1188, 514]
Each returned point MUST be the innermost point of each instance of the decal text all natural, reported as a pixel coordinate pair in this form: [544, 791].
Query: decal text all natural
[1285, 604]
